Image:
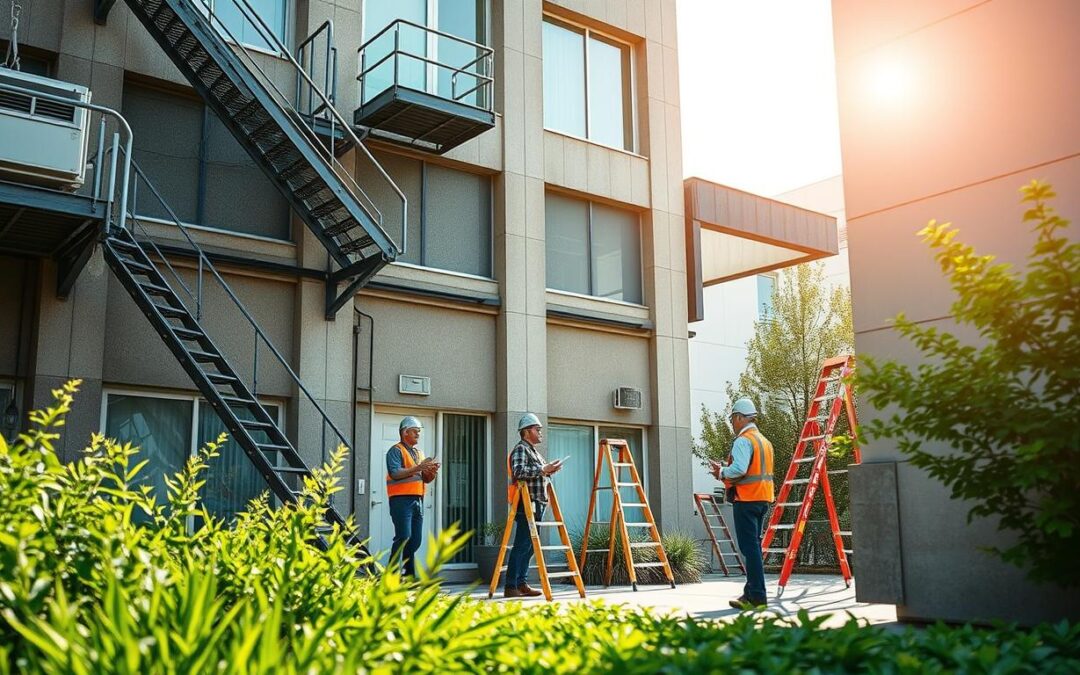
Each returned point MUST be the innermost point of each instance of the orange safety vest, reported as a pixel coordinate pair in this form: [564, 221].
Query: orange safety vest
[409, 486]
[756, 485]
[511, 485]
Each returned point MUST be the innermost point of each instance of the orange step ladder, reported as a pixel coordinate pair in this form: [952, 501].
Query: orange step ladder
[832, 395]
[709, 508]
[623, 460]
[522, 494]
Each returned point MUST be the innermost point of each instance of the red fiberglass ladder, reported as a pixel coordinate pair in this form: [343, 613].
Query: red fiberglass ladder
[833, 394]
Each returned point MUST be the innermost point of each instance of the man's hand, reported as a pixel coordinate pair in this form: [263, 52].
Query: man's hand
[550, 468]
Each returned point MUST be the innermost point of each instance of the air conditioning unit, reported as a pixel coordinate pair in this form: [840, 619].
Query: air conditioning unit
[627, 398]
[45, 141]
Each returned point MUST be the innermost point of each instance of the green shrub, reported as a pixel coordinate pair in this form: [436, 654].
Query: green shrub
[687, 560]
[96, 576]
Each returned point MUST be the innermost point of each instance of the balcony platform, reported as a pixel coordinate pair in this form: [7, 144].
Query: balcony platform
[422, 120]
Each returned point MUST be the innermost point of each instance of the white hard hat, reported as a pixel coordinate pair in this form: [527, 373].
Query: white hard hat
[409, 422]
[528, 420]
[744, 407]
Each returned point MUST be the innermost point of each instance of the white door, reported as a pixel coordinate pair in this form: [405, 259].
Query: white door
[384, 435]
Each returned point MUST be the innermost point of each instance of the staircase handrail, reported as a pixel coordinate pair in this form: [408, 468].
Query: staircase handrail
[336, 119]
[205, 263]
[330, 66]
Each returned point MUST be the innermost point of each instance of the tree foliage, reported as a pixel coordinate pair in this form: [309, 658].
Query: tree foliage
[1007, 409]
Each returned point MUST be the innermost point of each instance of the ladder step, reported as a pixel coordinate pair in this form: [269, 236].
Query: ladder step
[557, 547]
[218, 378]
[807, 439]
[798, 481]
[803, 460]
[200, 355]
[622, 464]
[175, 312]
[188, 333]
[236, 400]
[648, 564]
[645, 544]
[626, 484]
[626, 505]
[639, 524]
[836, 471]
[273, 447]
[849, 551]
[597, 550]
[775, 550]
[138, 266]
[155, 289]
[549, 523]
[789, 504]
[255, 424]
[560, 575]
[844, 533]
[291, 469]
[790, 526]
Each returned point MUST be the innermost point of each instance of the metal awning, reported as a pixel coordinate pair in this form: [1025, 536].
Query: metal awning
[732, 234]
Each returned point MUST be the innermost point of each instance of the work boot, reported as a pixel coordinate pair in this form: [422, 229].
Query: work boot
[744, 603]
[528, 591]
[513, 593]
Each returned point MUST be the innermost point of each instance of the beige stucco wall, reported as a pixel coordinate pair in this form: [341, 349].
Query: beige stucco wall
[987, 100]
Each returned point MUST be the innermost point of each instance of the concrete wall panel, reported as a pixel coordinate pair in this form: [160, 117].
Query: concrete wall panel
[585, 367]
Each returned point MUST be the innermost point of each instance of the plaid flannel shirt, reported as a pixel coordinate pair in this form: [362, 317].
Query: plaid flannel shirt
[525, 464]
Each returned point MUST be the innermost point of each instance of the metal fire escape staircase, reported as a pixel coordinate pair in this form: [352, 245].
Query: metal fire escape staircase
[283, 135]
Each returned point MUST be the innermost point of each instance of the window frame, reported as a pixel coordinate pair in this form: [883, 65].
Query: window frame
[196, 399]
[589, 253]
[286, 28]
[630, 78]
[643, 470]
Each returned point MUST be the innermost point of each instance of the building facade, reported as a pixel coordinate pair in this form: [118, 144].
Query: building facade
[946, 109]
[545, 265]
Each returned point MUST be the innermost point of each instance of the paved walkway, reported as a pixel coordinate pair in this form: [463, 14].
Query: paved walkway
[818, 594]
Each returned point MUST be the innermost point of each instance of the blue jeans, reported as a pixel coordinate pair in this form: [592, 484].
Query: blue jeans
[517, 567]
[407, 512]
[749, 522]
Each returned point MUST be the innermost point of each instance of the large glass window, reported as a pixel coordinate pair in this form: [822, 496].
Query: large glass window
[235, 19]
[465, 475]
[170, 430]
[587, 85]
[766, 286]
[204, 175]
[449, 214]
[593, 249]
[465, 19]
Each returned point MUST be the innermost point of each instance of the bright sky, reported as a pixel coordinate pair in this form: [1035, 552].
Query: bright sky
[758, 93]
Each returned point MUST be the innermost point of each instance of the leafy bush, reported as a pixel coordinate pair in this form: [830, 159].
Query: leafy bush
[687, 560]
[1009, 408]
[86, 586]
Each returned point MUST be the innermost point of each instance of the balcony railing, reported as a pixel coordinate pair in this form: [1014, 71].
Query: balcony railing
[423, 87]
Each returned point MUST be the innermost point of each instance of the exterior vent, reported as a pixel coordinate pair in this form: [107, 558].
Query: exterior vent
[45, 139]
[418, 385]
[627, 398]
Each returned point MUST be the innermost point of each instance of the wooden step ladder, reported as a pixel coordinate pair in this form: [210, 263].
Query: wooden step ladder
[709, 508]
[833, 395]
[618, 521]
[522, 494]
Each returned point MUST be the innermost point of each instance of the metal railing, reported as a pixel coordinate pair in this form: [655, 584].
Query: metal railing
[325, 104]
[307, 53]
[193, 297]
[479, 70]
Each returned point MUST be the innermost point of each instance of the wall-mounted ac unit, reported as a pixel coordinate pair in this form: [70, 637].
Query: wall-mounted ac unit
[627, 398]
[45, 141]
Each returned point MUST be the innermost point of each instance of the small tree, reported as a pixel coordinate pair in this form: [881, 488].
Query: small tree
[1009, 408]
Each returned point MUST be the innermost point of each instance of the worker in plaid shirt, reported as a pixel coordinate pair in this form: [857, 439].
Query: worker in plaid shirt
[525, 463]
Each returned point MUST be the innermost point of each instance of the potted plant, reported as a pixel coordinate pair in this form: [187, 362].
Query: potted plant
[486, 550]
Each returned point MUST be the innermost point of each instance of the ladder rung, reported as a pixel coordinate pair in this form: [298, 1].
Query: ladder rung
[648, 564]
[836, 471]
[776, 550]
[626, 484]
[639, 524]
[844, 533]
[597, 550]
[560, 575]
[798, 481]
[622, 464]
[291, 469]
[187, 333]
[790, 504]
[803, 460]
[255, 424]
[558, 547]
[812, 438]
[789, 526]
[635, 505]
[644, 544]
[272, 447]
[175, 312]
[218, 378]
[154, 288]
[549, 523]
[198, 354]
[849, 551]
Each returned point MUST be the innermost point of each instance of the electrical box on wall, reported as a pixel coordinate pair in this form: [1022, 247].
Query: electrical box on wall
[418, 385]
[627, 398]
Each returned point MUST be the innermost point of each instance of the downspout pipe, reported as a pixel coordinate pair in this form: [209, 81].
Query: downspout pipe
[356, 401]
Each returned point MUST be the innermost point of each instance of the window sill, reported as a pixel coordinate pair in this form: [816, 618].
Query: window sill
[265, 248]
[426, 281]
[601, 311]
[573, 137]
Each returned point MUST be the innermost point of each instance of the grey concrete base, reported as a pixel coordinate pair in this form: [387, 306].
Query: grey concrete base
[875, 520]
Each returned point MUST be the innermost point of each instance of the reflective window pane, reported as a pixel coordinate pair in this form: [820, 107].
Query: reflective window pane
[231, 480]
[244, 29]
[464, 475]
[573, 484]
[564, 79]
[616, 254]
[411, 45]
[610, 122]
[567, 240]
[464, 19]
[160, 427]
[766, 283]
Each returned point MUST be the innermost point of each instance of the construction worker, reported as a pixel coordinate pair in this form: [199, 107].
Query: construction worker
[525, 463]
[749, 473]
[407, 475]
